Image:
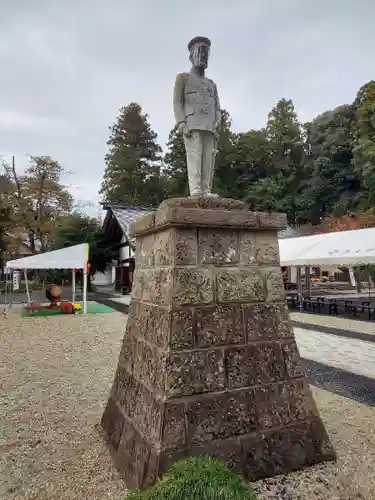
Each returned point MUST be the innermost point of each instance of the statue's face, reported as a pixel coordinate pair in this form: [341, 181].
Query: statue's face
[199, 55]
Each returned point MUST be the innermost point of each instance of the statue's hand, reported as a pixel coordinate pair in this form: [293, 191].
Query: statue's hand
[183, 129]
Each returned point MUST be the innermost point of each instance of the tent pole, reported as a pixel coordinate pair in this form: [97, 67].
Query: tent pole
[299, 288]
[85, 289]
[6, 294]
[369, 282]
[308, 280]
[73, 286]
[27, 288]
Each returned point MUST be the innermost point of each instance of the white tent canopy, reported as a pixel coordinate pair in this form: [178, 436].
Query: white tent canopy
[75, 257]
[66, 258]
[344, 248]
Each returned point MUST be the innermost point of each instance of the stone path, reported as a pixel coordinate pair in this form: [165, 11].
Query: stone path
[347, 354]
[338, 355]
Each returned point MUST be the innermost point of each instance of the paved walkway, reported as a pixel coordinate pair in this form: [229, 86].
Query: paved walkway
[347, 354]
[338, 354]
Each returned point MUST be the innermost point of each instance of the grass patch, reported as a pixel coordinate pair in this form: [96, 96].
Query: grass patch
[198, 478]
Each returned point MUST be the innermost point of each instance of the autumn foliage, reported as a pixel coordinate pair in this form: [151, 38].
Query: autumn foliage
[360, 220]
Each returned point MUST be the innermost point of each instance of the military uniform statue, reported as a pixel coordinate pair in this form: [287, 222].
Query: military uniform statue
[197, 113]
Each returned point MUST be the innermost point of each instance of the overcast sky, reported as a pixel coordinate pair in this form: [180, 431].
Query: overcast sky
[67, 66]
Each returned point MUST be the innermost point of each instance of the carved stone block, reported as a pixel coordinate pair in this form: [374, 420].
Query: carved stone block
[292, 359]
[221, 416]
[192, 286]
[274, 285]
[219, 325]
[218, 247]
[182, 329]
[258, 248]
[239, 285]
[186, 246]
[266, 322]
[195, 372]
[254, 364]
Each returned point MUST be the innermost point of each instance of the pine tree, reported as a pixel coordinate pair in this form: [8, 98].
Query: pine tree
[132, 174]
[284, 134]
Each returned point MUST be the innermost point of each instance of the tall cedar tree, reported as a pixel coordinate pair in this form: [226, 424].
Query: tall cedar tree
[132, 174]
[175, 165]
[281, 189]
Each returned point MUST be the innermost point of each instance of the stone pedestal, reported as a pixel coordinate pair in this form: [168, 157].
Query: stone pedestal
[209, 364]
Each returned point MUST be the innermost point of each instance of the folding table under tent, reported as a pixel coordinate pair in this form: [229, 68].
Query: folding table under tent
[75, 257]
[341, 249]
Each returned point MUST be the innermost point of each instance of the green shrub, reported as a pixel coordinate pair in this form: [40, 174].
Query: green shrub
[200, 478]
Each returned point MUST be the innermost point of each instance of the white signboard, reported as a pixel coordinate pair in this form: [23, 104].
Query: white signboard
[16, 280]
[352, 277]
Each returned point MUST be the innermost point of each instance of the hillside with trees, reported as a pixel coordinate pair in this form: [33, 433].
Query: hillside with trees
[311, 171]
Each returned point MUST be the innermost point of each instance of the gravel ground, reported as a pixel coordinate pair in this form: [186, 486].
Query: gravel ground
[55, 374]
[351, 427]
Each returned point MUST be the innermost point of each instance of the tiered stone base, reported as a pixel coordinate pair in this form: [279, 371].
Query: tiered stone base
[209, 364]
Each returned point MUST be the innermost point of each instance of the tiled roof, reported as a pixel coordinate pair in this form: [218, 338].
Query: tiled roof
[125, 217]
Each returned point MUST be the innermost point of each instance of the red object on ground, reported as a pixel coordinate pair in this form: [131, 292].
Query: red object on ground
[66, 308]
[34, 306]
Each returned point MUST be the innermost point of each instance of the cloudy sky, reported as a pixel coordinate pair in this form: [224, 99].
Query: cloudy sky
[67, 66]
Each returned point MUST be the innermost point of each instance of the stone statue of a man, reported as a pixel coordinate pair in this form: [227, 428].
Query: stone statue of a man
[197, 112]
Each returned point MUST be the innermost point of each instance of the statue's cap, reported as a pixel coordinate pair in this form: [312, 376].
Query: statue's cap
[199, 39]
